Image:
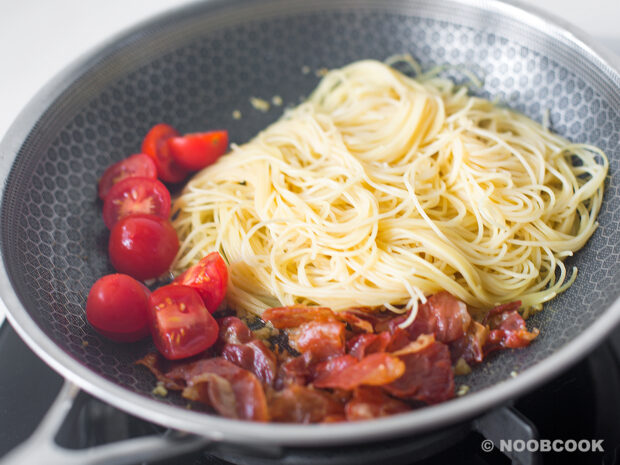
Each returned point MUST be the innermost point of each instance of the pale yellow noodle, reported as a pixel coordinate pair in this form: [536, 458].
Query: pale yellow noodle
[381, 189]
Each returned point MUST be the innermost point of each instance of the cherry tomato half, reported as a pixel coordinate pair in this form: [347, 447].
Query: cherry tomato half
[136, 195]
[142, 246]
[195, 151]
[118, 308]
[209, 277]
[181, 325]
[154, 145]
[137, 165]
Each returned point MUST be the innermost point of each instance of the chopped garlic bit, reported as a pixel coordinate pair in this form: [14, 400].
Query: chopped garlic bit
[321, 72]
[461, 367]
[263, 333]
[276, 100]
[236, 114]
[305, 69]
[160, 390]
[513, 374]
[84, 343]
[259, 104]
[462, 390]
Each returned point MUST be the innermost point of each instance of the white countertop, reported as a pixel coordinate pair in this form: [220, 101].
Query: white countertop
[38, 38]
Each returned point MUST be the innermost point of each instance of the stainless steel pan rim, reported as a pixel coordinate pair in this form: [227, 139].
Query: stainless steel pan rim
[221, 429]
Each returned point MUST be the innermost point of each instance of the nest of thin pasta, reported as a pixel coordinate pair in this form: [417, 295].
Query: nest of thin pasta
[381, 189]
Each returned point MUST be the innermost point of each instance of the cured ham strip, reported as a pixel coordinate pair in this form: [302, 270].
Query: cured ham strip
[509, 331]
[300, 404]
[427, 377]
[296, 315]
[318, 341]
[229, 389]
[442, 315]
[239, 345]
[373, 370]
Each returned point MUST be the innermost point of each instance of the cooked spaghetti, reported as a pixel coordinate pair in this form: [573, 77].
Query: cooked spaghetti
[381, 189]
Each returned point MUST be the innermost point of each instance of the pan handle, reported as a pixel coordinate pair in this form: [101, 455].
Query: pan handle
[41, 446]
[508, 423]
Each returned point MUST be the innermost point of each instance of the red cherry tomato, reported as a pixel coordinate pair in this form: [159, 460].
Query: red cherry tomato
[154, 145]
[136, 195]
[195, 151]
[138, 165]
[118, 308]
[209, 277]
[181, 325]
[143, 246]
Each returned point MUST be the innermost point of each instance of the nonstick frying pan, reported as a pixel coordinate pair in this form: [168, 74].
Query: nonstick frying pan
[192, 69]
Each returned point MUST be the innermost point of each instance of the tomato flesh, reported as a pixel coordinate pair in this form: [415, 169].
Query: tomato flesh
[209, 277]
[118, 307]
[137, 165]
[180, 323]
[143, 246]
[154, 145]
[195, 151]
[136, 195]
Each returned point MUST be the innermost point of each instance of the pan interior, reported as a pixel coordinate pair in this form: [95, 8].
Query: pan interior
[195, 68]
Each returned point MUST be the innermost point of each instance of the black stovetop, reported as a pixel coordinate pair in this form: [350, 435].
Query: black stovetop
[582, 403]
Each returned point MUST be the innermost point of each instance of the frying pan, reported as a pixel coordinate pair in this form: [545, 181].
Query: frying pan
[192, 69]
